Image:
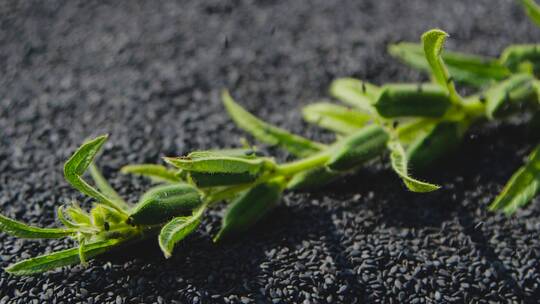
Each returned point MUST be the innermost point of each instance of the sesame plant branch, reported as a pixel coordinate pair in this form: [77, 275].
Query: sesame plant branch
[415, 124]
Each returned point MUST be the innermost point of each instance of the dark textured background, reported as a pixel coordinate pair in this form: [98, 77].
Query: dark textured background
[149, 73]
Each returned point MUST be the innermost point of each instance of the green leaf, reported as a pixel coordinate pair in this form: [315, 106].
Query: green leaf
[157, 173]
[532, 9]
[77, 164]
[356, 93]
[267, 133]
[249, 208]
[335, 118]
[104, 186]
[62, 218]
[218, 164]
[409, 131]
[313, 179]
[240, 153]
[58, 259]
[78, 215]
[398, 159]
[522, 58]
[433, 43]
[441, 140]
[18, 229]
[177, 229]
[500, 97]
[522, 187]
[465, 68]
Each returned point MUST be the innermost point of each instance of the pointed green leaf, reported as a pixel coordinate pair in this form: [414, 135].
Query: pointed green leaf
[440, 140]
[334, 117]
[356, 93]
[433, 43]
[18, 229]
[409, 131]
[499, 97]
[465, 68]
[240, 153]
[58, 259]
[78, 215]
[398, 158]
[522, 58]
[522, 187]
[313, 178]
[249, 208]
[267, 133]
[77, 164]
[177, 229]
[157, 173]
[214, 163]
[532, 9]
[103, 185]
[62, 218]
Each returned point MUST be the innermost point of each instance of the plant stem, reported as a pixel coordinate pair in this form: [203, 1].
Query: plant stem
[473, 107]
[307, 163]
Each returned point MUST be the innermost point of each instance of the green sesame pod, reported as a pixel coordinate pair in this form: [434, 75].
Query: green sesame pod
[358, 148]
[250, 207]
[435, 144]
[313, 178]
[161, 203]
[203, 179]
[424, 100]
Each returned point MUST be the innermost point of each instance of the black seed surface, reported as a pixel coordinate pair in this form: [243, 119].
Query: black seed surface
[150, 72]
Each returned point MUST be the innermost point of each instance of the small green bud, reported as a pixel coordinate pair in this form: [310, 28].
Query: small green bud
[161, 203]
[103, 215]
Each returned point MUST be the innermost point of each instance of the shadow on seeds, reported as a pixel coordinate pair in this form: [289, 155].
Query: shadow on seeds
[235, 266]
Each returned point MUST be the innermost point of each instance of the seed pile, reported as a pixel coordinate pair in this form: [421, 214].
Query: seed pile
[341, 279]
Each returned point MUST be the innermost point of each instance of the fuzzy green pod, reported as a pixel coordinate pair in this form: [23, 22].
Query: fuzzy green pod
[250, 207]
[421, 100]
[358, 148]
[313, 178]
[442, 139]
[204, 179]
[161, 203]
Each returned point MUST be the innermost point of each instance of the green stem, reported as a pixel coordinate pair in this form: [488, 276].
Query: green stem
[310, 162]
[473, 107]
[226, 193]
